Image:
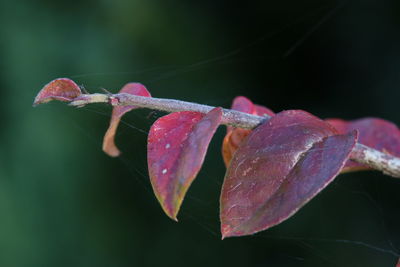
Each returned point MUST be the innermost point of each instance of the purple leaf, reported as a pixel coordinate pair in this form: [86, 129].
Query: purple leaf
[278, 168]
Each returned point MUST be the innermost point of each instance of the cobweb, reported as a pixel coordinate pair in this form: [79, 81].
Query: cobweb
[201, 203]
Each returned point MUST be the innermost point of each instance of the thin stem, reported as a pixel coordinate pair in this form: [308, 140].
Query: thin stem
[375, 159]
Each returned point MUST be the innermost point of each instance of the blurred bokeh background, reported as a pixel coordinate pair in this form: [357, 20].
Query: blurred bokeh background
[64, 203]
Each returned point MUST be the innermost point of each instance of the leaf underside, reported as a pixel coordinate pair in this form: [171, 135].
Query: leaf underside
[177, 144]
[278, 168]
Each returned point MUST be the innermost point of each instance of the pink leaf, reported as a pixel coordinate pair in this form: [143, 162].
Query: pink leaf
[62, 89]
[235, 136]
[243, 104]
[109, 146]
[377, 133]
[177, 145]
[278, 168]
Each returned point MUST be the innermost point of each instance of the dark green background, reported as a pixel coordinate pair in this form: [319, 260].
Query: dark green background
[64, 203]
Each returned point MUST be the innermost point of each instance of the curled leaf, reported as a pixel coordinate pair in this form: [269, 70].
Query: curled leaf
[62, 89]
[235, 136]
[177, 145]
[231, 142]
[278, 168]
[109, 146]
[377, 133]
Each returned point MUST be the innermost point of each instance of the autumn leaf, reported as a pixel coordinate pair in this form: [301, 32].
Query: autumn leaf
[278, 168]
[235, 136]
[61, 89]
[177, 144]
[377, 133]
[109, 146]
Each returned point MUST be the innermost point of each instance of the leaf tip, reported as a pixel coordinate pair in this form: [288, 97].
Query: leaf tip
[226, 231]
[174, 219]
[172, 212]
[111, 150]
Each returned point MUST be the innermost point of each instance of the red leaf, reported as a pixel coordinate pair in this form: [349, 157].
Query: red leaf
[177, 145]
[235, 136]
[278, 168]
[109, 146]
[62, 89]
[373, 132]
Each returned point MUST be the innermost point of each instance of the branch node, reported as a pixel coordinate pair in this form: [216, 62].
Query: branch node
[114, 101]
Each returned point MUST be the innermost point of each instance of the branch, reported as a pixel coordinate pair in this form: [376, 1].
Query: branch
[375, 159]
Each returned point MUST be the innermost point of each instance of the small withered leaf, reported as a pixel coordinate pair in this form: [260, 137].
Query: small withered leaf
[109, 146]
